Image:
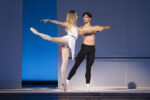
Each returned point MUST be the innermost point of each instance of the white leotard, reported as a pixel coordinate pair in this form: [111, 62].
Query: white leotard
[72, 34]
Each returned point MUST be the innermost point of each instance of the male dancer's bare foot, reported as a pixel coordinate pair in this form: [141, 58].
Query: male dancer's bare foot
[67, 83]
[88, 88]
[44, 36]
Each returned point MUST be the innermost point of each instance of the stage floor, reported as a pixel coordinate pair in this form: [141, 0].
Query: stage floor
[92, 90]
[47, 93]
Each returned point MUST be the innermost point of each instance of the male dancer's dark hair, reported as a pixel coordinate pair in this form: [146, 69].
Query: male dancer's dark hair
[88, 14]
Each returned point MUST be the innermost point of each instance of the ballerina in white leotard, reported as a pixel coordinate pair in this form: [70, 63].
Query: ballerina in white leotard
[66, 42]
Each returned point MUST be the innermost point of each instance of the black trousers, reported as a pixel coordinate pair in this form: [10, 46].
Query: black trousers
[86, 50]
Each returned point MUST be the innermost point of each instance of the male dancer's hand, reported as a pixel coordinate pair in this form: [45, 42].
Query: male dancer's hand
[107, 27]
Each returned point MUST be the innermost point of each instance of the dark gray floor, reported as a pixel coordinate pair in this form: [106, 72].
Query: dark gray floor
[46, 96]
[45, 92]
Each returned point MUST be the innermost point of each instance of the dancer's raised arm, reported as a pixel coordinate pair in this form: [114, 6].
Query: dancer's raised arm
[93, 29]
[55, 22]
[84, 31]
[101, 28]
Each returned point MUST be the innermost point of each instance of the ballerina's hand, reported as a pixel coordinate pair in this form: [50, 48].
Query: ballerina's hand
[44, 20]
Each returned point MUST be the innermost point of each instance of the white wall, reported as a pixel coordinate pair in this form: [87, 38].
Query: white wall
[10, 43]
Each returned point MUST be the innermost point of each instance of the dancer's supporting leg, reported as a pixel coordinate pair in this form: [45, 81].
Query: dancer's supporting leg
[58, 40]
[65, 55]
[89, 62]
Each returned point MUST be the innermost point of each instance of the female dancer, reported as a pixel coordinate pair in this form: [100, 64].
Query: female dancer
[66, 42]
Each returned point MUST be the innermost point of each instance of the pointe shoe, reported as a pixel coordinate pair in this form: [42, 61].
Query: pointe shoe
[44, 36]
[64, 86]
[34, 31]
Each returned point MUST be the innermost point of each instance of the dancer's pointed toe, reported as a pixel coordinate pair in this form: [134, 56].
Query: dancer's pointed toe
[64, 87]
[34, 30]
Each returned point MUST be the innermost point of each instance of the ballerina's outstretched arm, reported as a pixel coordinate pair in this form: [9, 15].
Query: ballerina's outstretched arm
[55, 22]
[58, 40]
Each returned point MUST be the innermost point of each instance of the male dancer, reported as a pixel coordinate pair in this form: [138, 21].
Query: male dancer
[87, 48]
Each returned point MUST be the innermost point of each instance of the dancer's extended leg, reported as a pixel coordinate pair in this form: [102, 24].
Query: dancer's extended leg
[58, 40]
[80, 57]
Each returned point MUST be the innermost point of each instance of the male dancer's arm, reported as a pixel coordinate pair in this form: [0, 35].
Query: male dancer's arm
[101, 28]
[83, 31]
[55, 22]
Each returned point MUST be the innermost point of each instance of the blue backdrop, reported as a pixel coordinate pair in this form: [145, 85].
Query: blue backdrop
[40, 58]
